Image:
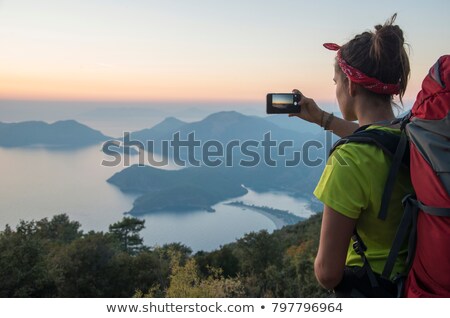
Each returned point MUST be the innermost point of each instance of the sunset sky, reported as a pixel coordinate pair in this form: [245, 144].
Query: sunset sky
[196, 50]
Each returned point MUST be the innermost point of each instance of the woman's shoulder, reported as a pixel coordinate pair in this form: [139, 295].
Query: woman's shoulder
[355, 150]
[359, 148]
[359, 152]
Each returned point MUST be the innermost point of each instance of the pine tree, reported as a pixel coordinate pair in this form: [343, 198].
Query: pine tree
[127, 233]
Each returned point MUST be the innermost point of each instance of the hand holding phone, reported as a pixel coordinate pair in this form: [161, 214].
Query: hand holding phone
[283, 103]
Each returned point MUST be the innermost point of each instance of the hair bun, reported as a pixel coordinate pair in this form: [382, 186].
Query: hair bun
[385, 36]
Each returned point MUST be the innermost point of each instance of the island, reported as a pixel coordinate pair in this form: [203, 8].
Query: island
[60, 134]
[201, 186]
[178, 199]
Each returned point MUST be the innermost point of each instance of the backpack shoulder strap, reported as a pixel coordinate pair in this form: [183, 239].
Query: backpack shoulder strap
[400, 152]
[407, 226]
[395, 146]
[384, 140]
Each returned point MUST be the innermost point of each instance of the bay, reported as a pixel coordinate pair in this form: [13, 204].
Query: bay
[39, 182]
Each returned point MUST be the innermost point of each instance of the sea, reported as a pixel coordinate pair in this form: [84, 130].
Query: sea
[39, 182]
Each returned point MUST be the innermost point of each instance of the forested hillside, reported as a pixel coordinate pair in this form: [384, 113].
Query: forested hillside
[54, 258]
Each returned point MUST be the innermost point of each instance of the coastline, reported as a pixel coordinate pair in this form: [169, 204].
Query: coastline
[279, 223]
[280, 218]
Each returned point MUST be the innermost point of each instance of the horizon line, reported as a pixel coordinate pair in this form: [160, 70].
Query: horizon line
[153, 101]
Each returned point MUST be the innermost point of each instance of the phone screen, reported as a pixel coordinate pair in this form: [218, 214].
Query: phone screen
[282, 100]
[283, 103]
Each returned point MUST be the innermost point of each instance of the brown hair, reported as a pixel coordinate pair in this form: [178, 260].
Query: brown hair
[380, 54]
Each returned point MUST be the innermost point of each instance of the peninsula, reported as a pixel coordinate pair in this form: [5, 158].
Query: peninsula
[279, 217]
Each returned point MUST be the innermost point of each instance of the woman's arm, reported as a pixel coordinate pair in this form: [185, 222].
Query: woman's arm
[335, 236]
[312, 113]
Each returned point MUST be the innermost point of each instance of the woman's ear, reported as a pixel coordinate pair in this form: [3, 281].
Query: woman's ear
[352, 88]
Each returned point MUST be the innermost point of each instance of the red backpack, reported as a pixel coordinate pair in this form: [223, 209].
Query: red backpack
[428, 130]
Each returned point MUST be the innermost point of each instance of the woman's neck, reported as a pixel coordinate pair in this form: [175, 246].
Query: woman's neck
[371, 111]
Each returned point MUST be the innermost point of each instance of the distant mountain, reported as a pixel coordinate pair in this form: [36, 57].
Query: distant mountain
[200, 187]
[222, 127]
[294, 123]
[231, 125]
[67, 133]
[158, 131]
[193, 112]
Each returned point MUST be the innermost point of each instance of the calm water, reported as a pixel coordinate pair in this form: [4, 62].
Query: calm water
[37, 183]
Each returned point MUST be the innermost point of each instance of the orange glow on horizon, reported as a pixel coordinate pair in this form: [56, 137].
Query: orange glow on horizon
[141, 87]
[114, 88]
[116, 84]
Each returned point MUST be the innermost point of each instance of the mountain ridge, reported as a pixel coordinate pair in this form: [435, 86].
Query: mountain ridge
[160, 189]
[63, 133]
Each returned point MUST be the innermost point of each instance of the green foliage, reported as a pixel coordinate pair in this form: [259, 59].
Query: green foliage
[59, 229]
[83, 268]
[54, 258]
[223, 258]
[187, 282]
[23, 267]
[257, 251]
[127, 233]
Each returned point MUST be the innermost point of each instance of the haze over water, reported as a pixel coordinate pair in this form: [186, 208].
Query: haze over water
[38, 182]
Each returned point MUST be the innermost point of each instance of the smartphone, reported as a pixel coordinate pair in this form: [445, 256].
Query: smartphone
[283, 103]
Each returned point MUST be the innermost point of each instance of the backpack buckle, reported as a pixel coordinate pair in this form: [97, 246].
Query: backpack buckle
[405, 120]
[358, 246]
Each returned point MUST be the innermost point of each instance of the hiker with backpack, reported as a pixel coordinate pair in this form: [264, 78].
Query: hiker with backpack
[355, 241]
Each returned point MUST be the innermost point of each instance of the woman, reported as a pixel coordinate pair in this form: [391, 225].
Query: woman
[370, 69]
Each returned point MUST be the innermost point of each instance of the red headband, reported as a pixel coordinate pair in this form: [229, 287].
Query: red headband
[355, 75]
